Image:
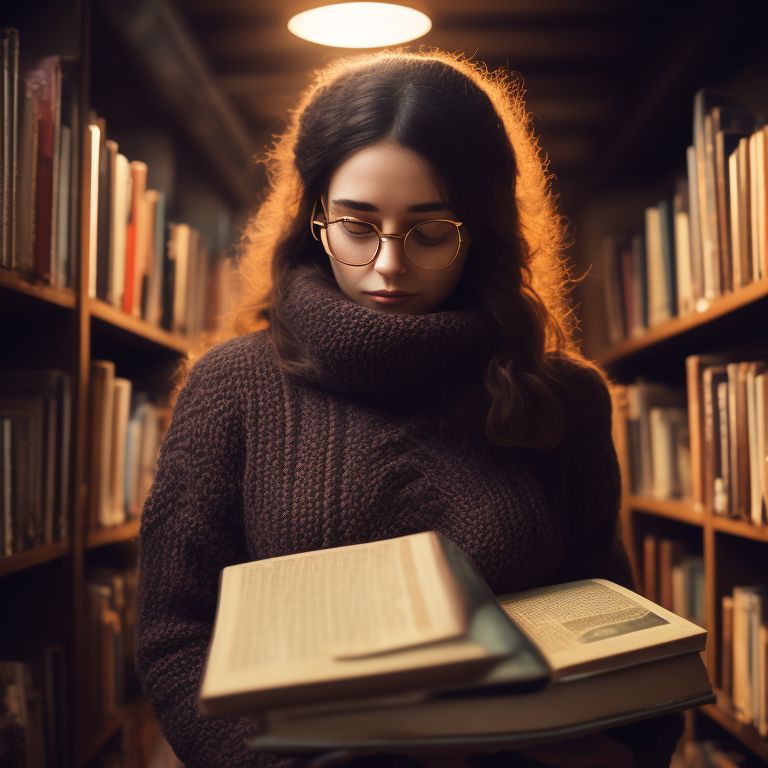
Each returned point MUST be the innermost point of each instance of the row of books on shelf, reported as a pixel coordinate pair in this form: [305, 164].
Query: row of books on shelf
[707, 443]
[33, 709]
[707, 239]
[658, 441]
[744, 674]
[39, 127]
[673, 576]
[34, 706]
[140, 260]
[733, 397]
[125, 431]
[35, 437]
[110, 619]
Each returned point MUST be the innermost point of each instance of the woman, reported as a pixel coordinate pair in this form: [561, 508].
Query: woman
[460, 404]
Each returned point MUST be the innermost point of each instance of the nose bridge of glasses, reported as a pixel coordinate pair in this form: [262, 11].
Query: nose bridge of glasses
[397, 255]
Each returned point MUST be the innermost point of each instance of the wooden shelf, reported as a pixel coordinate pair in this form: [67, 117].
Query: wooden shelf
[115, 535]
[746, 734]
[14, 283]
[674, 509]
[740, 528]
[678, 326]
[139, 329]
[685, 513]
[32, 557]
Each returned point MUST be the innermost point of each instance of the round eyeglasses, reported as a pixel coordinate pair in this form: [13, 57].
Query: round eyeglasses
[432, 244]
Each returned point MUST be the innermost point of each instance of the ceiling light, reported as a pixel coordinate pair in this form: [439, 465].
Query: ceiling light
[360, 25]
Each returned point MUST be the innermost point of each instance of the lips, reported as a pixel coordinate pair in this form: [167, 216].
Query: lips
[389, 294]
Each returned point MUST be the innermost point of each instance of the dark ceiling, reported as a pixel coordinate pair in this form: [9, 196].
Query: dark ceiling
[605, 80]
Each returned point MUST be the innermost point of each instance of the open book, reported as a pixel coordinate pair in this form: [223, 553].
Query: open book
[402, 640]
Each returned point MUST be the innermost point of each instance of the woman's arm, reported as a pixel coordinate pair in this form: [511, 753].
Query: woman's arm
[591, 487]
[191, 527]
[592, 490]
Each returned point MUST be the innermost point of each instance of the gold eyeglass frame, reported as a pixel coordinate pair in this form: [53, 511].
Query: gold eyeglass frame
[383, 236]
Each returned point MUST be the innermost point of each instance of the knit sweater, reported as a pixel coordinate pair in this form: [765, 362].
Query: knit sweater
[258, 462]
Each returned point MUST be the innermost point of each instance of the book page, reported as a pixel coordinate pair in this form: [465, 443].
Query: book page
[591, 625]
[345, 602]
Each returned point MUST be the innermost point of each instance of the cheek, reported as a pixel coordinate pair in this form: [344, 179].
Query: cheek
[438, 286]
[346, 276]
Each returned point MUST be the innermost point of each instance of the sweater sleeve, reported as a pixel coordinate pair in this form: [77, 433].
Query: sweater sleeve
[592, 491]
[191, 528]
[591, 488]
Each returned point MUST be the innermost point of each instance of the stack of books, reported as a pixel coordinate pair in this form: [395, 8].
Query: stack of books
[400, 642]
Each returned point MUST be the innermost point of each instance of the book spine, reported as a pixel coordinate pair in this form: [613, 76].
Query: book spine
[91, 209]
[697, 277]
[726, 664]
[734, 219]
[745, 230]
[712, 286]
[762, 680]
[722, 499]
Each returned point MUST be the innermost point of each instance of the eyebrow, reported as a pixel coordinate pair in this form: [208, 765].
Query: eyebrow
[356, 205]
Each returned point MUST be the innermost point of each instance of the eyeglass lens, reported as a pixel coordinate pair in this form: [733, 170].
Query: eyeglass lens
[430, 244]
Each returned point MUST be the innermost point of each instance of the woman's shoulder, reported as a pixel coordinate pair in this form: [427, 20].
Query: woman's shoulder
[233, 357]
[582, 385]
[574, 371]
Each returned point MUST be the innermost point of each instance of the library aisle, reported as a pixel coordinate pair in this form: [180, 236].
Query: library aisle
[129, 137]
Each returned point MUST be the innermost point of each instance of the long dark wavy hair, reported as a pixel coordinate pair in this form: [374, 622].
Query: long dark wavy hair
[474, 130]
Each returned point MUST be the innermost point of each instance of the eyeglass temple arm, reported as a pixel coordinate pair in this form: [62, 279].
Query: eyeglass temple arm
[313, 221]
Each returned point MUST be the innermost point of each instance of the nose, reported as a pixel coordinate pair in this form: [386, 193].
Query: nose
[391, 258]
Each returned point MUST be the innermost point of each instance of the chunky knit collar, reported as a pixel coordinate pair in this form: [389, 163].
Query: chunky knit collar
[390, 358]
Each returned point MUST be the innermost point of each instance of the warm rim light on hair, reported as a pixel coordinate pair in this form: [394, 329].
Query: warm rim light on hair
[360, 25]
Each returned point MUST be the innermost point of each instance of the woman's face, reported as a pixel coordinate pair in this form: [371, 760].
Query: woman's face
[392, 187]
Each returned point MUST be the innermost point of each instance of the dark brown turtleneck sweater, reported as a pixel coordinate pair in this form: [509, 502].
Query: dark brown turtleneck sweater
[257, 463]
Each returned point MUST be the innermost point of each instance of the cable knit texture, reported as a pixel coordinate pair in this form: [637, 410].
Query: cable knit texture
[258, 463]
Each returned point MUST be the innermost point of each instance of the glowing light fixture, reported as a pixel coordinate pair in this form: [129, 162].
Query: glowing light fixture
[360, 25]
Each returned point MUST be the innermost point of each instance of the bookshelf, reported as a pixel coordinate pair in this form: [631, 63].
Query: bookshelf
[44, 589]
[742, 306]
[733, 546]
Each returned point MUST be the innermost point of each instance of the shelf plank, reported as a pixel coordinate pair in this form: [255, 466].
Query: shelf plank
[746, 734]
[740, 528]
[683, 511]
[116, 534]
[32, 557]
[674, 509]
[677, 326]
[114, 317]
[16, 283]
